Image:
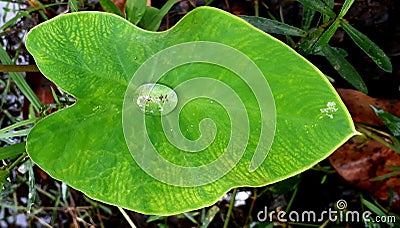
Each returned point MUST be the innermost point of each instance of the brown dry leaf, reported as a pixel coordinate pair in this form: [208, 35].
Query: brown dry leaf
[361, 159]
[121, 4]
[239, 8]
[41, 86]
[358, 161]
[36, 4]
[359, 103]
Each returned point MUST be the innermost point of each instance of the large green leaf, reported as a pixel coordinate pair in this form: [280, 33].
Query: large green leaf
[212, 60]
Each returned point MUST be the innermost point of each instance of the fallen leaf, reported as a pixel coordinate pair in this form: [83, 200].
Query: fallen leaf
[358, 161]
[359, 103]
[361, 159]
[121, 4]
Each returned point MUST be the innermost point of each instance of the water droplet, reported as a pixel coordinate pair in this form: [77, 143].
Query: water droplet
[156, 99]
[96, 108]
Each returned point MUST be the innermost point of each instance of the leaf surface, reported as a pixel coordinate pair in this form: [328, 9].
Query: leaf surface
[96, 56]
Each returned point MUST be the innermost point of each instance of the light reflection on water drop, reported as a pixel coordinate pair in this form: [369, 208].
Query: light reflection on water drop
[156, 99]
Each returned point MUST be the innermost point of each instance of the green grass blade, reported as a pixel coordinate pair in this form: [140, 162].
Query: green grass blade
[153, 218]
[369, 47]
[98, 205]
[318, 6]
[308, 15]
[326, 36]
[20, 81]
[3, 177]
[272, 26]
[11, 21]
[394, 168]
[41, 12]
[135, 9]
[23, 132]
[18, 124]
[7, 205]
[26, 13]
[330, 4]
[344, 68]
[372, 207]
[12, 150]
[190, 217]
[385, 176]
[392, 122]
[166, 7]
[209, 216]
[6, 90]
[156, 16]
[375, 209]
[74, 6]
[147, 20]
[346, 6]
[110, 7]
[31, 185]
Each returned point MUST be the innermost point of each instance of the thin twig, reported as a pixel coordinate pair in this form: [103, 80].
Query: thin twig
[230, 207]
[126, 216]
[289, 205]
[254, 198]
[42, 222]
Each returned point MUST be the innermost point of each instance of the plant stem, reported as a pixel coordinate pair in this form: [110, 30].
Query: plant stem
[20, 158]
[48, 195]
[230, 207]
[20, 82]
[256, 8]
[292, 198]
[18, 68]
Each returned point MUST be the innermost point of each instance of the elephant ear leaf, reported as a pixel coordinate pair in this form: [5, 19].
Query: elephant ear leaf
[169, 122]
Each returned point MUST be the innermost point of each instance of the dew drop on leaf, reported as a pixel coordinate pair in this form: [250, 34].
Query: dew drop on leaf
[156, 99]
